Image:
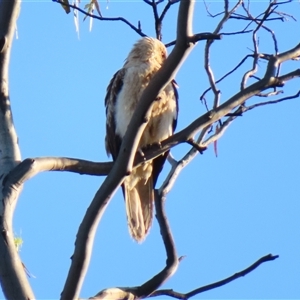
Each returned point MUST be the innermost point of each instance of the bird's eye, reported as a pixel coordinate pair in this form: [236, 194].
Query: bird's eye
[163, 55]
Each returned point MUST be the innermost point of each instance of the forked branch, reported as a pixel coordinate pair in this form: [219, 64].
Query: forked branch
[150, 286]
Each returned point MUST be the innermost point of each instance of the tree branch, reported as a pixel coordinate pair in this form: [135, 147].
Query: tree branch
[204, 36]
[157, 20]
[32, 166]
[247, 108]
[207, 66]
[167, 7]
[12, 275]
[211, 286]
[202, 97]
[172, 259]
[136, 29]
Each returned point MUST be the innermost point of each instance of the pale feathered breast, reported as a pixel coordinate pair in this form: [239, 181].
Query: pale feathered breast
[163, 113]
[125, 90]
[123, 93]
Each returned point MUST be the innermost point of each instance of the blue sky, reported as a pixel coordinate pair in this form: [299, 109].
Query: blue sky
[225, 212]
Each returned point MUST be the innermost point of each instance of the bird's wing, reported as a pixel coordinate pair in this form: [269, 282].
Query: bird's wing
[112, 140]
[176, 96]
[138, 193]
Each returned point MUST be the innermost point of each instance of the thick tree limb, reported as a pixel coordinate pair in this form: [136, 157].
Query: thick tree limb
[13, 278]
[32, 166]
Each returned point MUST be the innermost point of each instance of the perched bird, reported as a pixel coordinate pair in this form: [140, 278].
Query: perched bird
[123, 93]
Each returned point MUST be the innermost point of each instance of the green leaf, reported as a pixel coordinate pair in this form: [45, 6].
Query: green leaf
[18, 242]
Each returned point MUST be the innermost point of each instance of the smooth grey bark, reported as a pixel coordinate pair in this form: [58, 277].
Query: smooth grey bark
[13, 278]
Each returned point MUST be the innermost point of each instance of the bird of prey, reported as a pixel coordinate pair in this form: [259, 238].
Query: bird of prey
[123, 93]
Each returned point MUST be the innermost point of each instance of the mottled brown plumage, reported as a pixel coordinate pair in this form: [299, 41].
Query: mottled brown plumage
[123, 93]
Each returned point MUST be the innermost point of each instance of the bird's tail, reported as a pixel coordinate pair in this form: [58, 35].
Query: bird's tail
[139, 200]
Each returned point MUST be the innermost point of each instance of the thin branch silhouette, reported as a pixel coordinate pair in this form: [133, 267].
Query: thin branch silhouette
[217, 284]
[121, 19]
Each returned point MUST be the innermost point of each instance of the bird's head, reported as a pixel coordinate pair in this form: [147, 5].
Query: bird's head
[148, 50]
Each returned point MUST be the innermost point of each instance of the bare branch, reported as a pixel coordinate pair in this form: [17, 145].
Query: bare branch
[247, 108]
[293, 53]
[269, 94]
[289, 76]
[177, 166]
[136, 29]
[32, 166]
[157, 21]
[211, 286]
[13, 278]
[172, 259]
[209, 13]
[207, 66]
[219, 133]
[172, 161]
[236, 32]
[198, 147]
[167, 7]
[254, 68]
[175, 171]
[153, 2]
[260, 24]
[204, 36]
[284, 16]
[227, 74]
[241, 17]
